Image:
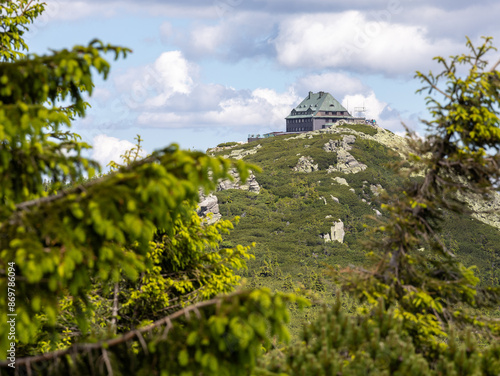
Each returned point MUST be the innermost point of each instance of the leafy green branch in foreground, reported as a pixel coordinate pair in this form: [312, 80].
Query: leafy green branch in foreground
[221, 336]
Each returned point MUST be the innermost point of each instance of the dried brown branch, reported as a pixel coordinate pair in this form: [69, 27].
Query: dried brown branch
[494, 67]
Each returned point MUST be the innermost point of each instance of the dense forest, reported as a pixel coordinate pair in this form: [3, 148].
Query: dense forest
[116, 273]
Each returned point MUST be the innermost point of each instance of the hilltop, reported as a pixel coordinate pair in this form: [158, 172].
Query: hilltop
[316, 191]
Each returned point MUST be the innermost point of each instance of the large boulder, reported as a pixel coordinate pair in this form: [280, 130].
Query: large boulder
[242, 153]
[340, 180]
[250, 185]
[346, 163]
[337, 233]
[306, 164]
[209, 204]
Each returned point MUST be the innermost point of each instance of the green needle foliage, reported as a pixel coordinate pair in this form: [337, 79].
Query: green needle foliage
[375, 344]
[413, 271]
[109, 255]
[114, 273]
[424, 313]
[222, 336]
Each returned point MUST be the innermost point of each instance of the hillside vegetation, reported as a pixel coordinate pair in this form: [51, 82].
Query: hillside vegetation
[294, 209]
[119, 275]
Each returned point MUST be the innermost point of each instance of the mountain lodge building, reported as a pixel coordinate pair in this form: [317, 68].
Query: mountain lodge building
[314, 112]
[317, 111]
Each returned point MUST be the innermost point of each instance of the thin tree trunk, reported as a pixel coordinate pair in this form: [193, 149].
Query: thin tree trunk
[114, 314]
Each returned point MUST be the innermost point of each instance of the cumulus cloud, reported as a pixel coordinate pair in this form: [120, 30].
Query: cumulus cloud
[168, 94]
[154, 84]
[337, 84]
[371, 107]
[236, 109]
[243, 35]
[79, 9]
[180, 101]
[350, 40]
[106, 149]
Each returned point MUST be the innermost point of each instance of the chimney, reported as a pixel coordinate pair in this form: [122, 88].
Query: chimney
[321, 93]
[310, 93]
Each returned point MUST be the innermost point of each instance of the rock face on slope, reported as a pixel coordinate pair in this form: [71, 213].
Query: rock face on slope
[346, 163]
[306, 164]
[337, 233]
[209, 204]
[239, 153]
[486, 211]
[250, 185]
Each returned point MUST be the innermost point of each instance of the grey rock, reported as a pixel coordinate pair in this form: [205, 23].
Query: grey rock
[209, 204]
[242, 153]
[306, 164]
[349, 139]
[376, 189]
[486, 211]
[346, 163]
[337, 232]
[250, 185]
[340, 180]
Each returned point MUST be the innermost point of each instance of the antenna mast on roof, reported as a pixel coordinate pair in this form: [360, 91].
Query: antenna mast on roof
[360, 111]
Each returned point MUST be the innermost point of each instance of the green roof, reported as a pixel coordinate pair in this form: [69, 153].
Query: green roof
[316, 102]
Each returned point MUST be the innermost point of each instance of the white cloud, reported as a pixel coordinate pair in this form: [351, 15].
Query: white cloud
[173, 74]
[350, 40]
[374, 108]
[242, 35]
[236, 109]
[154, 84]
[337, 84]
[101, 94]
[79, 9]
[106, 149]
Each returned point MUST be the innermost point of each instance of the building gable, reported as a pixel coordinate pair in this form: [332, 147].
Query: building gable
[315, 104]
[314, 112]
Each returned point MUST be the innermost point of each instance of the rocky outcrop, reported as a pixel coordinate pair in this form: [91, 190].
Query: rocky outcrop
[383, 136]
[337, 233]
[340, 181]
[209, 204]
[242, 153]
[346, 163]
[376, 189]
[250, 185]
[335, 145]
[486, 211]
[306, 164]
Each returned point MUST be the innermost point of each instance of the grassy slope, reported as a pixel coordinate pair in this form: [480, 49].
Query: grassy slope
[287, 217]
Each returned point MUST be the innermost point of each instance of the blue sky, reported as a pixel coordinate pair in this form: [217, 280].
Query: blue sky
[206, 72]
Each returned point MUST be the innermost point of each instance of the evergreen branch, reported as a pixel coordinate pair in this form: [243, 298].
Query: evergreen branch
[137, 333]
[81, 187]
